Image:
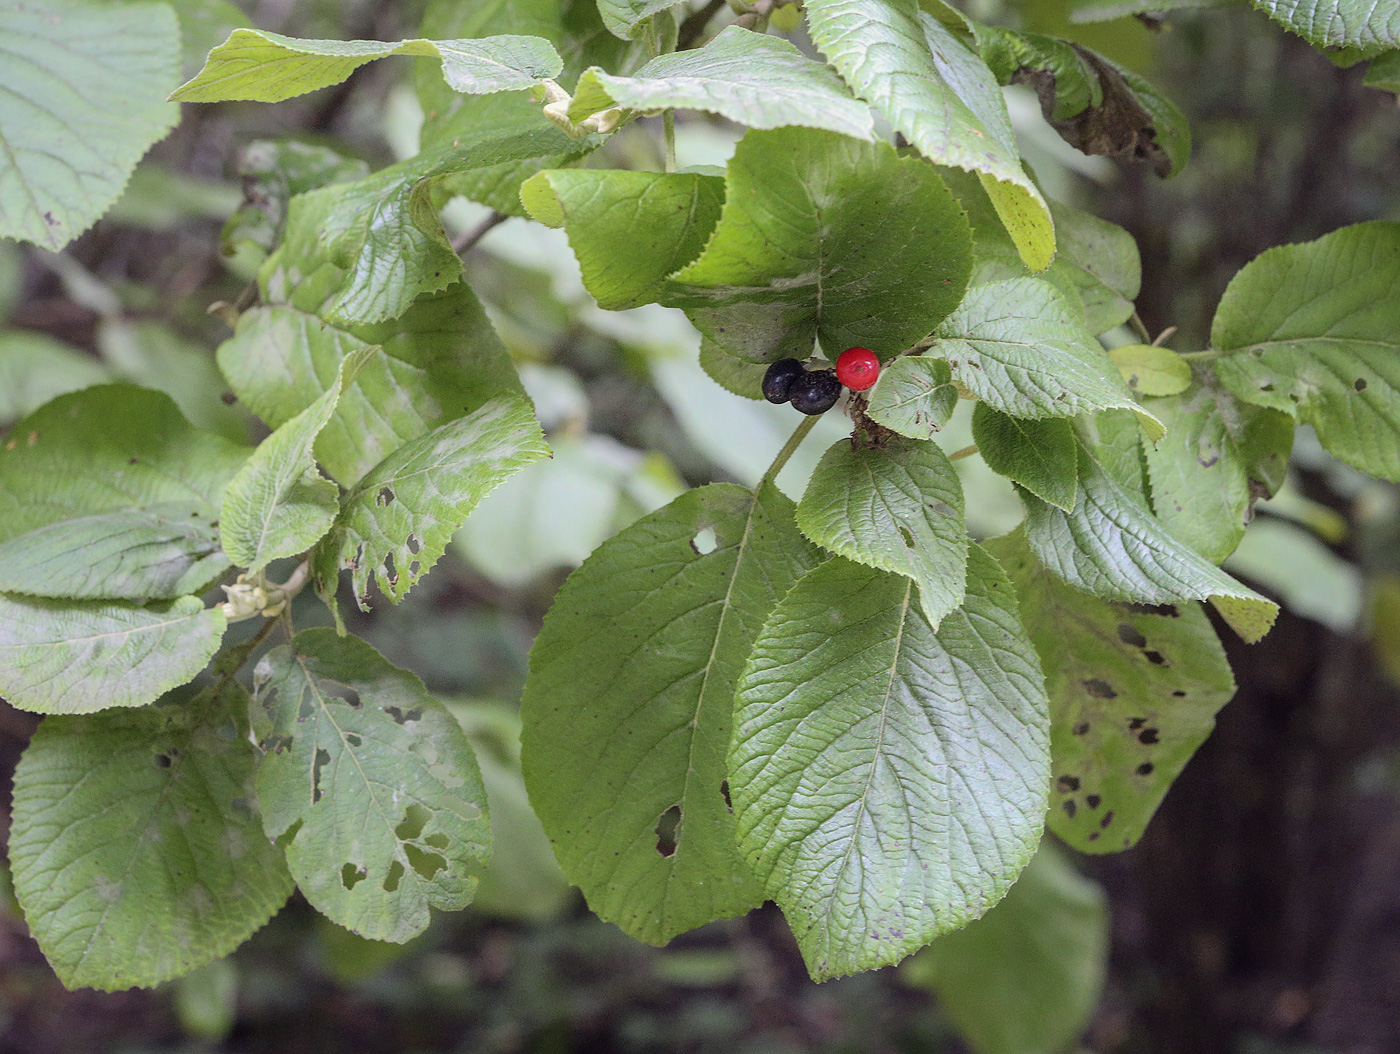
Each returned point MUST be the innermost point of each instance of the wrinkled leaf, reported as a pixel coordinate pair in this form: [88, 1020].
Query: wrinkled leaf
[1370, 25]
[1315, 332]
[914, 396]
[888, 781]
[372, 785]
[752, 79]
[628, 709]
[629, 230]
[898, 507]
[85, 86]
[1133, 692]
[398, 519]
[1041, 456]
[136, 847]
[936, 92]
[1113, 547]
[75, 658]
[268, 67]
[827, 237]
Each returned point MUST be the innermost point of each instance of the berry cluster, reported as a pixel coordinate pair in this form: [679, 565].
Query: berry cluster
[816, 391]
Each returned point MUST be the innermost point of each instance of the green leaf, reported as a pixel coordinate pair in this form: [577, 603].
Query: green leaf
[889, 781]
[398, 519]
[1371, 25]
[752, 79]
[914, 396]
[627, 18]
[150, 552]
[1113, 547]
[1133, 692]
[136, 847]
[1096, 263]
[629, 230]
[372, 785]
[1042, 456]
[279, 504]
[1018, 346]
[898, 507]
[1096, 106]
[35, 368]
[109, 493]
[935, 91]
[1311, 580]
[439, 361]
[827, 237]
[1217, 458]
[1384, 72]
[1027, 975]
[268, 67]
[628, 709]
[1150, 370]
[85, 86]
[1082, 11]
[1316, 332]
[75, 658]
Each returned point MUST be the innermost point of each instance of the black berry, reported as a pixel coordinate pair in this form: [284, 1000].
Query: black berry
[777, 382]
[815, 392]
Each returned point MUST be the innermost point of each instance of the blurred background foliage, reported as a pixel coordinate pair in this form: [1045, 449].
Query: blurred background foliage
[1260, 914]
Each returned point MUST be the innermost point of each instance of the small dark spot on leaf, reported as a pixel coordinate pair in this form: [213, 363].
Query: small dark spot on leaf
[1145, 769]
[724, 792]
[48, 218]
[1156, 658]
[668, 831]
[1129, 635]
[1359, 384]
[352, 739]
[1178, 694]
[1148, 736]
[1081, 729]
[403, 717]
[1107, 819]
[1068, 783]
[163, 761]
[1069, 807]
[133, 461]
[1099, 689]
[1092, 801]
[1093, 836]
[228, 398]
[1134, 723]
[385, 496]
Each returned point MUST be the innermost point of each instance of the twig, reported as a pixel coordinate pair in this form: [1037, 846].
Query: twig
[464, 243]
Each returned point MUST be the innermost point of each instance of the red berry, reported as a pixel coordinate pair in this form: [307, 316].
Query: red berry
[857, 369]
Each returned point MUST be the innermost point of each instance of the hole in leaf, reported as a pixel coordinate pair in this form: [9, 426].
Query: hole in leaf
[413, 822]
[390, 575]
[1068, 783]
[907, 535]
[391, 880]
[277, 745]
[425, 863]
[351, 876]
[385, 496]
[1128, 635]
[352, 739]
[668, 831]
[323, 757]
[413, 569]
[1092, 800]
[724, 792]
[704, 541]
[403, 717]
[943, 508]
[414, 544]
[437, 841]
[1099, 689]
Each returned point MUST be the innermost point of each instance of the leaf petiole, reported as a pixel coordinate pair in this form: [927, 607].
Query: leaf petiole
[789, 448]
